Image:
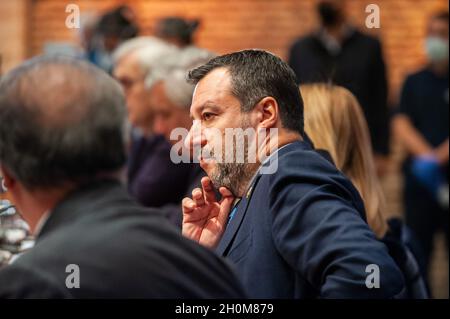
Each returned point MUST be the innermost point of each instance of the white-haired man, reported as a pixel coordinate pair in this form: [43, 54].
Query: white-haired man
[151, 173]
[171, 97]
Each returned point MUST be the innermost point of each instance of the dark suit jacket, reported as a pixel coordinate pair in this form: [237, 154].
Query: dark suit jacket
[301, 233]
[121, 250]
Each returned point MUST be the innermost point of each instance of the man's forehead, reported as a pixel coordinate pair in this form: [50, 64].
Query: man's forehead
[128, 63]
[218, 76]
[214, 86]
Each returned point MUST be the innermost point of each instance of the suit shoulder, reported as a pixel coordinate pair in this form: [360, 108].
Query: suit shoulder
[367, 39]
[303, 42]
[417, 76]
[21, 280]
[305, 162]
[306, 170]
[136, 242]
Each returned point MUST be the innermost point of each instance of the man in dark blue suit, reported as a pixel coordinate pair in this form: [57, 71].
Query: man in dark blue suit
[291, 222]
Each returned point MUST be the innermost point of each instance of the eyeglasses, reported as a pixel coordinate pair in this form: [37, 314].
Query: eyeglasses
[2, 185]
[14, 232]
[6, 208]
[14, 238]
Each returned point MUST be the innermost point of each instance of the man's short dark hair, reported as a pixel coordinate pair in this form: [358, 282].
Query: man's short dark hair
[62, 120]
[256, 74]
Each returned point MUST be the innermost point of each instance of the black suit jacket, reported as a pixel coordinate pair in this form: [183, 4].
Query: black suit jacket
[121, 249]
[301, 233]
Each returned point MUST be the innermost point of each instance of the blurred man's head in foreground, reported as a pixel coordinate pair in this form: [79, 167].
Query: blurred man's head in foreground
[63, 124]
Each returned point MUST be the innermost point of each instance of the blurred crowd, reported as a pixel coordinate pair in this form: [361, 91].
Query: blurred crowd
[341, 76]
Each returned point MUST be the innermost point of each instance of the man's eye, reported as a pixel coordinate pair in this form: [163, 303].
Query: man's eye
[207, 116]
[126, 83]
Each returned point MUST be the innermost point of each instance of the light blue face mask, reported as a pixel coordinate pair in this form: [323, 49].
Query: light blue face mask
[436, 49]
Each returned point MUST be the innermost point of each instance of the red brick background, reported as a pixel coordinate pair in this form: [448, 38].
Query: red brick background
[268, 24]
[26, 25]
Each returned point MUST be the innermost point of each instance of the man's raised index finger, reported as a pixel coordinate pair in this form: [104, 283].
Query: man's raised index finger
[208, 190]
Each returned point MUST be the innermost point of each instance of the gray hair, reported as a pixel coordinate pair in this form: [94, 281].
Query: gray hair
[150, 53]
[131, 45]
[62, 120]
[177, 88]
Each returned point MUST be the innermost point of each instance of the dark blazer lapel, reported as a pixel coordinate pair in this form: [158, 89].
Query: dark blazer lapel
[236, 222]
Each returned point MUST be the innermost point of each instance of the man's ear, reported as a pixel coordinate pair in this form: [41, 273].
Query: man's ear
[8, 180]
[268, 113]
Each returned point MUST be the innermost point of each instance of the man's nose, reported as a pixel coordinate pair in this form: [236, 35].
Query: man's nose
[195, 137]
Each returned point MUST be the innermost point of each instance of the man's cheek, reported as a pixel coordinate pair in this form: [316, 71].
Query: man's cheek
[213, 145]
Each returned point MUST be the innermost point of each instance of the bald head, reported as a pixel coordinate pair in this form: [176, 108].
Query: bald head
[62, 121]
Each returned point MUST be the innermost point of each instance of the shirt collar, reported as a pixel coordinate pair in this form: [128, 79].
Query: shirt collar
[41, 223]
[255, 175]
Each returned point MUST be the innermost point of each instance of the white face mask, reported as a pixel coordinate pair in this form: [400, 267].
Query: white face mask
[436, 49]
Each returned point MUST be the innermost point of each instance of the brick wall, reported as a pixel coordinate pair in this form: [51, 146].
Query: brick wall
[267, 24]
[13, 33]
[238, 24]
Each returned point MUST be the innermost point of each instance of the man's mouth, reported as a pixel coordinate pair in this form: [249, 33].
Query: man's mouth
[206, 159]
[206, 155]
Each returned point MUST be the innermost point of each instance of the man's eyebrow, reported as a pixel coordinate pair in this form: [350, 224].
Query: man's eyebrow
[208, 104]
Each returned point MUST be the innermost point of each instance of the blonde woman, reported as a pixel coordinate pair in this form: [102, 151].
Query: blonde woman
[334, 122]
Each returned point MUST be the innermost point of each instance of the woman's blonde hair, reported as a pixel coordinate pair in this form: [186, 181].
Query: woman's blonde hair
[335, 122]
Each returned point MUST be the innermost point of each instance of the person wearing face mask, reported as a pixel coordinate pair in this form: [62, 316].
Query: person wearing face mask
[339, 53]
[422, 126]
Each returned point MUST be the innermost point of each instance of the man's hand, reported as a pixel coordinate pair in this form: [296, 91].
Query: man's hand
[204, 217]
